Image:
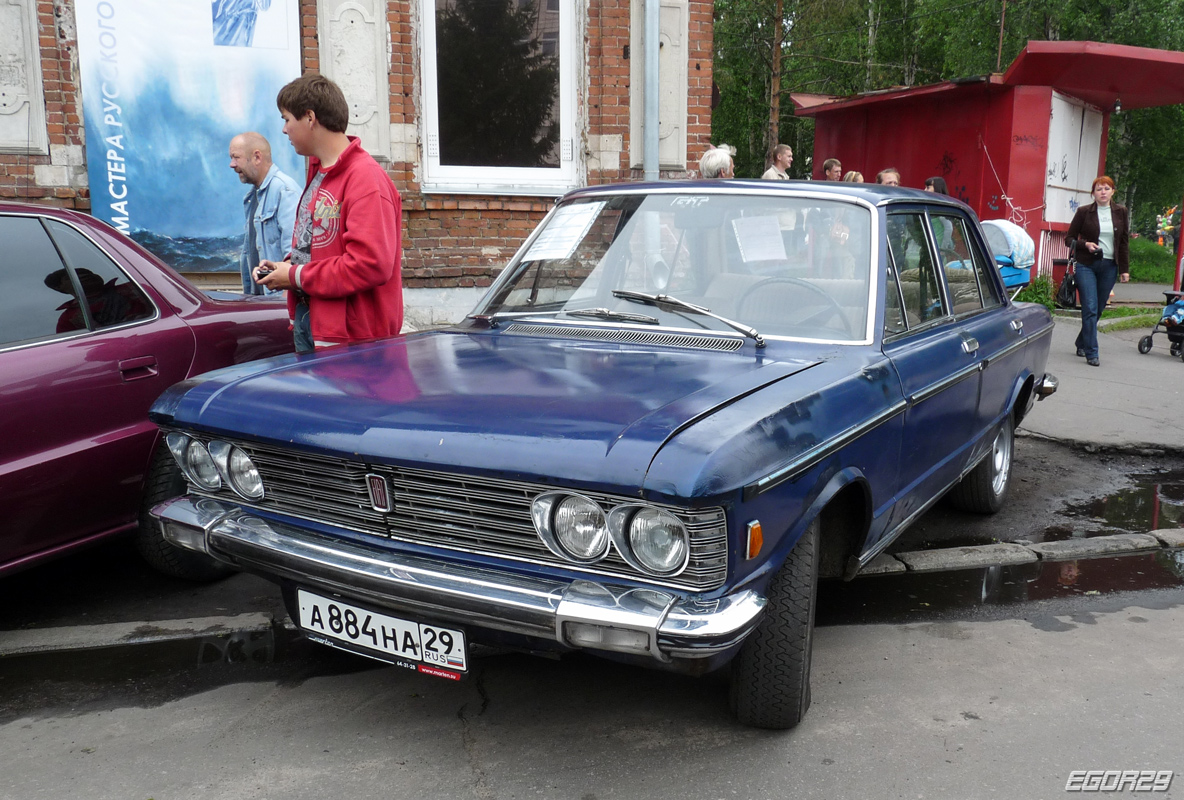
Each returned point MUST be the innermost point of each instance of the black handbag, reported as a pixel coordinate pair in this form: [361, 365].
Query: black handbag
[1067, 291]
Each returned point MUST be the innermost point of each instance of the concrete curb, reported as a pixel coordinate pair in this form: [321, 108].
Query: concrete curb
[948, 559]
[116, 634]
[1008, 553]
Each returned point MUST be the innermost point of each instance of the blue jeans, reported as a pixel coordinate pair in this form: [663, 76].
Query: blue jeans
[302, 329]
[1094, 283]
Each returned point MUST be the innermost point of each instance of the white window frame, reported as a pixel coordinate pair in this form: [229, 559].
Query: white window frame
[440, 178]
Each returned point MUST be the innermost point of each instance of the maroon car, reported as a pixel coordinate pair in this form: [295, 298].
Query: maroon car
[92, 329]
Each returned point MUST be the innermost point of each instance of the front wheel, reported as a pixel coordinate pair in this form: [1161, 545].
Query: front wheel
[984, 489]
[1145, 345]
[771, 675]
[164, 482]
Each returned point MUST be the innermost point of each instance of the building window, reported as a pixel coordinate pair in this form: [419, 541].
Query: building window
[499, 96]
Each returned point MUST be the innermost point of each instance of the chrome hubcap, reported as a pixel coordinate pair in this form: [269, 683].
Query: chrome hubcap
[1000, 461]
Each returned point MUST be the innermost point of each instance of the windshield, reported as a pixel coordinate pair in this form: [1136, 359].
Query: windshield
[784, 265]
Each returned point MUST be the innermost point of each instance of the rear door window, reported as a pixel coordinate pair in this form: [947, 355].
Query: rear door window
[38, 296]
[112, 298]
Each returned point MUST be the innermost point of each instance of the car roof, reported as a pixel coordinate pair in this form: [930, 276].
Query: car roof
[873, 193]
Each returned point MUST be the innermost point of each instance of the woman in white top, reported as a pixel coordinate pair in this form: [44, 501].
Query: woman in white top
[1101, 233]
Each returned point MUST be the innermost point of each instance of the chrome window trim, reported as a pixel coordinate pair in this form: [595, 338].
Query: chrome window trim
[822, 451]
[6, 347]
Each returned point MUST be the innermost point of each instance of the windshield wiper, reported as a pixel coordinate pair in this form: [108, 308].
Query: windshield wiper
[607, 313]
[667, 300]
[496, 317]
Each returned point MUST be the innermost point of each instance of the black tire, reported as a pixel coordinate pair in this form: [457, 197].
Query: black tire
[165, 481]
[984, 489]
[1145, 345]
[770, 682]
[1176, 348]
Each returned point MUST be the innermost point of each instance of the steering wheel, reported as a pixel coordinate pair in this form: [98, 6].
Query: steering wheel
[831, 310]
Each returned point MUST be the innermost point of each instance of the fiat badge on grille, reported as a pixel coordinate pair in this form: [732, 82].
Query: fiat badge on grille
[380, 496]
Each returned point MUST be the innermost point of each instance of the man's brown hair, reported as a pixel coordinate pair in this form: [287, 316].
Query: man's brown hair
[317, 94]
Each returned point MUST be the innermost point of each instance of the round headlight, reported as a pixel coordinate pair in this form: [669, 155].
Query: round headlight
[658, 541]
[580, 528]
[244, 477]
[200, 467]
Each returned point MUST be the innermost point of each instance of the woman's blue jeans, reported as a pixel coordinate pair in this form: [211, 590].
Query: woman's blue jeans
[1094, 283]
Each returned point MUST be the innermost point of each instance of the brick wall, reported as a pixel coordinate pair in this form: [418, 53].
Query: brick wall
[58, 178]
[449, 241]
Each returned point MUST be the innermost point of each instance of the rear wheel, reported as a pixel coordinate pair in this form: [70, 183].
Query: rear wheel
[984, 489]
[164, 482]
[1145, 345]
[1176, 347]
[771, 674]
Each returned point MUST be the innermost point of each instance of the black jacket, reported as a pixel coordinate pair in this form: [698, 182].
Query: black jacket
[1085, 228]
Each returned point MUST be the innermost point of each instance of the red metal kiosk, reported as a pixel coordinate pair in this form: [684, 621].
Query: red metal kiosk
[1024, 145]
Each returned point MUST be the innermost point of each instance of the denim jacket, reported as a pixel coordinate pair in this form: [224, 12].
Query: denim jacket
[274, 218]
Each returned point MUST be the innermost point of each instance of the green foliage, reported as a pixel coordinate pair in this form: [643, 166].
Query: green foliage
[1143, 320]
[843, 47]
[1151, 263]
[496, 90]
[1039, 291]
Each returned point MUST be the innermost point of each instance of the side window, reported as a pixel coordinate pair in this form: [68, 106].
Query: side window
[984, 265]
[957, 263]
[111, 296]
[37, 297]
[919, 284]
[894, 320]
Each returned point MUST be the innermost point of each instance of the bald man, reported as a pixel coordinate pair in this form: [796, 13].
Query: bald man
[270, 206]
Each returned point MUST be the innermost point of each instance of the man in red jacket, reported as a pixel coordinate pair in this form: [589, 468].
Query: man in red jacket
[343, 271]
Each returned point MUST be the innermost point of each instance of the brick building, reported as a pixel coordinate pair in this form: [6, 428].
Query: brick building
[467, 208]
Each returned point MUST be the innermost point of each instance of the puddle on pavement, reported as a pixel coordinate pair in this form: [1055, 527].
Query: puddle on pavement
[1153, 502]
[911, 597]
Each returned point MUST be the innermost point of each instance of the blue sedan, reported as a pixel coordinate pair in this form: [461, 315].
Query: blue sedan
[678, 408]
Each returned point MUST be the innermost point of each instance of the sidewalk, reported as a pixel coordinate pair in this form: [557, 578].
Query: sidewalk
[1131, 402]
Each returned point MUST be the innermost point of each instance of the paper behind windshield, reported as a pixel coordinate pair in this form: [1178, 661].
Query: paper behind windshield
[564, 232]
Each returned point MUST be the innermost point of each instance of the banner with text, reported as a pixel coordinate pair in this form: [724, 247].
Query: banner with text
[166, 85]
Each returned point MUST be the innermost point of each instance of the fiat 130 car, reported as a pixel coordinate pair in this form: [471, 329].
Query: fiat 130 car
[678, 407]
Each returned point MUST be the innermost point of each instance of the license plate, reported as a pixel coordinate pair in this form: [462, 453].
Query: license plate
[430, 647]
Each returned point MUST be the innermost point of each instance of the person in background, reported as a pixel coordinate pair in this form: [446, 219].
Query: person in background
[1100, 234]
[853, 177]
[889, 176]
[782, 158]
[717, 162]
[344, 274]
[832, 169]
[270, 206]
[938, 185]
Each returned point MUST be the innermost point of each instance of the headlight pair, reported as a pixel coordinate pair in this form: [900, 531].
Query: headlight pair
[208, 466]
[575, 528]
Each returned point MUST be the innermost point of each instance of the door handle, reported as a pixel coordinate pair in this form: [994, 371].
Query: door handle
[135, 369]
[969, 345]
[1017, 325]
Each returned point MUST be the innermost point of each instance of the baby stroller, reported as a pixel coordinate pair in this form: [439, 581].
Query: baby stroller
[1171, 323]
[1014, 251]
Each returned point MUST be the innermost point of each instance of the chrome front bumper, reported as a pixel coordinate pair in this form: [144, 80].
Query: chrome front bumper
[579, 613]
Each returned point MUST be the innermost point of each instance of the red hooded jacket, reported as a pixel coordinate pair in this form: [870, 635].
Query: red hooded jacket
[354, 279]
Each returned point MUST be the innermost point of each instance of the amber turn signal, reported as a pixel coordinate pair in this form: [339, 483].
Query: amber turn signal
[755, 538]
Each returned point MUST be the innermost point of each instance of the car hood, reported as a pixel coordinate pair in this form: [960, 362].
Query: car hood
[555, 410]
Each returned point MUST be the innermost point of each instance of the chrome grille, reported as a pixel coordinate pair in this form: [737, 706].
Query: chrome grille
[695, 341]
[461, 512]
